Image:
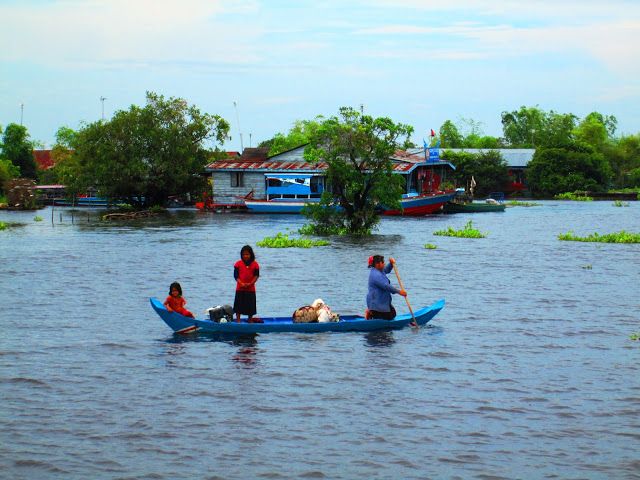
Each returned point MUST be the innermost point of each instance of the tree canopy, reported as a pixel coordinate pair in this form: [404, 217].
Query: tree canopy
[567, 169]
[300, 134]
[18, 147]
[144, 154]
[357, 149]
[488, 168]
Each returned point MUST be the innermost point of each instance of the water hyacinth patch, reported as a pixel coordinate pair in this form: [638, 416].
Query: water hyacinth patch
[617, 237]
[4, 226]
[516, 203]
[635, 336]
[37, 218]
[619, 203]
[282, 240]
[573, 196]
[430, 246]
[467, 232]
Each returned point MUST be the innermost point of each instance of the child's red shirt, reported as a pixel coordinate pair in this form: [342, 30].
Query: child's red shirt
[245, 274]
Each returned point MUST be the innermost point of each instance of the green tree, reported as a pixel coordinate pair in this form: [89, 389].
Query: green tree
[8, 171]
[488, 168]
[450, 136]
[624, 158]
[569, 169]
[145, 154]
[357, 150]
[592, 131]
[300, 134]
[17, 147]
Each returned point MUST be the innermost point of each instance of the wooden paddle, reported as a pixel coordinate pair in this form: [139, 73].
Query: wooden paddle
[413, 323]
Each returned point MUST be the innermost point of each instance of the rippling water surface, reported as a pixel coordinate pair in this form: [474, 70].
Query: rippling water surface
[528, 372]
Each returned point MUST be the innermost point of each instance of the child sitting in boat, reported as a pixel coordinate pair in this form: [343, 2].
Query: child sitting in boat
[175, 303]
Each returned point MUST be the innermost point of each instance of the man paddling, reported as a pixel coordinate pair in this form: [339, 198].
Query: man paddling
[380, 290]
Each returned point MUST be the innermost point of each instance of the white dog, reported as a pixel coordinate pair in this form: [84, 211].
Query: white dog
[324, 312]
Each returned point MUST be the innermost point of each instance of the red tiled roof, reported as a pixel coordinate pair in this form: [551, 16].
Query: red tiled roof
[43, 159]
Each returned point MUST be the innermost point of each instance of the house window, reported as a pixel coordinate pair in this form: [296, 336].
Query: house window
[236, 179]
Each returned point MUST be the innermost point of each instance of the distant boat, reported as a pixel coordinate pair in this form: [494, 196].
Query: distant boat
[464, 203]
[83, 202]
[413, 205]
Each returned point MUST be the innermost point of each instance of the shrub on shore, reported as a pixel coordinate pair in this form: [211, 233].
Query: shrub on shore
[573, 196]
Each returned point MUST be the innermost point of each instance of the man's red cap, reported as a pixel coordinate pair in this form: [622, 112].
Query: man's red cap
[370, 261]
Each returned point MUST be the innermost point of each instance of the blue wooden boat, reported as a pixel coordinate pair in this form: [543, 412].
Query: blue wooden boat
[349, 323]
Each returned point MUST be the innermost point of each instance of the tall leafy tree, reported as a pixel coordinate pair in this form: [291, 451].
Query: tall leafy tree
[18, 147]
[624, 157]
[357, 150]
[568, 169]
[488, 169]
[450, 136]
[146, 154]
[520, 126]
[300, 134]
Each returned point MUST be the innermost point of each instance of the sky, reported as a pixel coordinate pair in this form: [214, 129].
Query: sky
[263, 64]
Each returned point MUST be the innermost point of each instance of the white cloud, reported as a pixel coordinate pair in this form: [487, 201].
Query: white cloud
[106, 30]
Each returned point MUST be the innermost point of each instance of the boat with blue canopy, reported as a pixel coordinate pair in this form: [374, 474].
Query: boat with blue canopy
[348, 323]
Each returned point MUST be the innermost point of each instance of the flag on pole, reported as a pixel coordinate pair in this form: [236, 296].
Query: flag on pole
[433, 134]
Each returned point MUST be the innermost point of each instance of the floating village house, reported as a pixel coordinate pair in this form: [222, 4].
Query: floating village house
[287, 175]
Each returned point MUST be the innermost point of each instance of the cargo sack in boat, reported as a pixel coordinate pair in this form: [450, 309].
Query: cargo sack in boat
[221, 313]
[306, 314]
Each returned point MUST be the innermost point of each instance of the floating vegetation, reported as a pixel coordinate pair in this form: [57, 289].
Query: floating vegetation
[4, 225]
[587, 266]
[37, 218]
[430, 246]
[635, 336]
[516, 203]
[573, 196]
[282, 240]
[616, 237]
[620, 203]
[467, 232]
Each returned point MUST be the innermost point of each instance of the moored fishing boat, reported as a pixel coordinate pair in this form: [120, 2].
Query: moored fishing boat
[348, 323]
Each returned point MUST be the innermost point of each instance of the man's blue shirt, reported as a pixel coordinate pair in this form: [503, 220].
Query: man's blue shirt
[380, 289]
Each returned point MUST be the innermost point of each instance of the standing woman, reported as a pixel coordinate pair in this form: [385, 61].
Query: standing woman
[246, 272]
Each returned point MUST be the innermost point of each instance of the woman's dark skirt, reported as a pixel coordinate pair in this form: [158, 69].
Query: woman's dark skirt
[245, 303]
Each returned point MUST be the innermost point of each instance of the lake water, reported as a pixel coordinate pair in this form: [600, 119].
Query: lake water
[528, 372]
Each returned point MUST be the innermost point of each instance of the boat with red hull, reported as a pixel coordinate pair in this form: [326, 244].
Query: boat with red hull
[419, 205]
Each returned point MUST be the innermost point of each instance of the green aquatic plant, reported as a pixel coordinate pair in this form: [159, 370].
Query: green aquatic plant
[467, 232]
[635, 336]
[516, 203]
[587, 266]
[430, 246]
[37, 218]
[616, 237]
[620, 203]
[282, 240]
[322, 230]
[4, 225]
[573, 196]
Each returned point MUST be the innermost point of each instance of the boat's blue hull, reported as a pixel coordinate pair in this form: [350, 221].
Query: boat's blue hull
[414, 205]
[352, 323]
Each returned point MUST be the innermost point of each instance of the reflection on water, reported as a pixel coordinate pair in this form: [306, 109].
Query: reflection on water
[380, 338]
